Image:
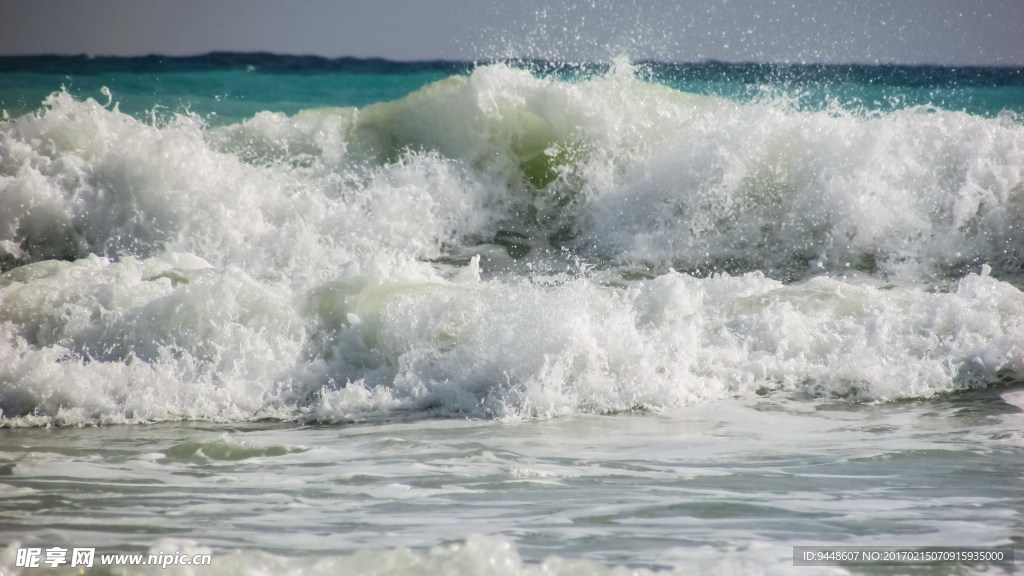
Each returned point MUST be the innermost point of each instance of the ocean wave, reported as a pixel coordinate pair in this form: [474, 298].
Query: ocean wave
[503, 244]
[94, 341]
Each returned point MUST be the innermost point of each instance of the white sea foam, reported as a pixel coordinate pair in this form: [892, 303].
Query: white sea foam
[320, 266]
[907, 194]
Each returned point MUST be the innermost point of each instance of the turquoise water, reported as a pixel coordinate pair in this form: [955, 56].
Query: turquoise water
[221, 90]
[231, 87]
[315, 316]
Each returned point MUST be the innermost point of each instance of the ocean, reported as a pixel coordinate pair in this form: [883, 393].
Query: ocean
[290, 315]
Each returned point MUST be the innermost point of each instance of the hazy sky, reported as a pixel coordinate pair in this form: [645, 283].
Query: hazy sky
[959, 32]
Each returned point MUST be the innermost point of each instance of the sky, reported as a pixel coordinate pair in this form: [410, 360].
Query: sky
[947, 32]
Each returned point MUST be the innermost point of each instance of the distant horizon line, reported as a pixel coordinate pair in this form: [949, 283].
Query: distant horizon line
[240, 56]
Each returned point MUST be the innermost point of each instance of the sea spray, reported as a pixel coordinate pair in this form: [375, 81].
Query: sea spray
[503, 244]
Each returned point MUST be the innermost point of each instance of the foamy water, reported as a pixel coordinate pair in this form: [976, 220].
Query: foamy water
[503, 245]
[719, 487]
[531, 253]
